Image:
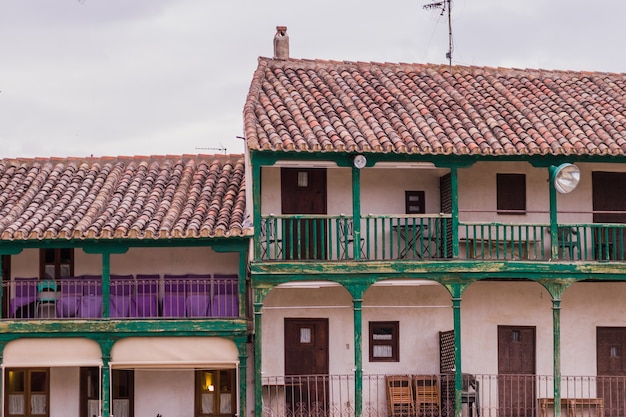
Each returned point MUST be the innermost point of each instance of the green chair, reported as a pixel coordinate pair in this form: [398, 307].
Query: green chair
[46, 298]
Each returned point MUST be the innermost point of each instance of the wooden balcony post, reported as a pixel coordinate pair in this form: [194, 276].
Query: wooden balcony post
[554, 245]
[454, 185]
[106, 284]
[356, 211]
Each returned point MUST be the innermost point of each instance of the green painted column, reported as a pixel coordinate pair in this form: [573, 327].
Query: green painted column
[556, 292]
[1, 288]
[357, 291]
[105, 346]
[243, 268]
[454, 185]
[259, 295]
[458, 370]
[2, 377]
[356, 211]
[256, 208]
[358, 356]
[241, 343]
[554, 247]
[556, 322]
[106, 284]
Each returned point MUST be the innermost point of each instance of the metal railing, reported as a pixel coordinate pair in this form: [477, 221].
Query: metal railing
[140, 297]
[431, 395]
[430, 237]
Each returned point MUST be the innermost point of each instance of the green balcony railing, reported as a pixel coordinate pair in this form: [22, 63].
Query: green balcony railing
[309, 237]
[430, 237]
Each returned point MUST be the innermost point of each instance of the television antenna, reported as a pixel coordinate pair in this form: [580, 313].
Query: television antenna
[445, 5]
[223, 150]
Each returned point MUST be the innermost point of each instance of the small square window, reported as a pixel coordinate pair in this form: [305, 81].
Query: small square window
[511, 193]
[384, 341]
[414, 202]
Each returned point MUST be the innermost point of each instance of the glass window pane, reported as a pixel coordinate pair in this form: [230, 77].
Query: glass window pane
[66, 256]
[38, 381]
[49, 256]
[226, 404]
[121, 384]
[305, 335]
[38, 404]
[16, 404]
[226, 381]
[50, 271]
[382, 351]
[65, 270]
[16, 381]
[208, 403]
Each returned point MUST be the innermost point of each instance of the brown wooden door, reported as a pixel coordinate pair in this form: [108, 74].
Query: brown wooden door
[306, 366]
[6, 278]
[516, 371]
[609, 206]
[611, 365]
[303, 191]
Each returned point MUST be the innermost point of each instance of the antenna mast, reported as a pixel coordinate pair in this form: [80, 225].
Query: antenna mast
[442, 5]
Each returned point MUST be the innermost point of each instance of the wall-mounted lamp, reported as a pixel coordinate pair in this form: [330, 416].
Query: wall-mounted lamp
[566, 177]
[359, 161]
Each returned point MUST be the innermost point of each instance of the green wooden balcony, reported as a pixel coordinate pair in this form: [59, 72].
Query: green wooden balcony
[431, 237]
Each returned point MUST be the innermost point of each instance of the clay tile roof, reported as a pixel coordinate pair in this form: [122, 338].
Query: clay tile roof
[315, 105]
[142, 197]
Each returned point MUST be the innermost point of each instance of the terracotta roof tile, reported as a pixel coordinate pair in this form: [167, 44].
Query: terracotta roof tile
[331, 106]
[148, 197]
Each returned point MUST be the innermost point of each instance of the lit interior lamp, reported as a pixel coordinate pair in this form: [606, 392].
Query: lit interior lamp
[566, 178]
[211, 388]
[359, 161]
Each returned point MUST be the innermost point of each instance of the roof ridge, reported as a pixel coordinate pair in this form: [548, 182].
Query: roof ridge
[324, 62]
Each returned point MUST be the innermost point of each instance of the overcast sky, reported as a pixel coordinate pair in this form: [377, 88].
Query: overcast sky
[153, 77]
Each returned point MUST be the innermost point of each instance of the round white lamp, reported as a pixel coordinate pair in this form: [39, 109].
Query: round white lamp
[566, 178]
[359, 161]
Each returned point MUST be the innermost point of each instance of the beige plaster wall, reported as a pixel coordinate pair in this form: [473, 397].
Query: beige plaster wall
[477, 193]
[377, 196]
[166, 392]
[422, 311]
[333, 303]
[487, 305]
[64, 391]
[584, 307]
[138, 261]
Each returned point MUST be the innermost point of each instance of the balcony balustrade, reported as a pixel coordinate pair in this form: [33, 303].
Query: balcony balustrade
[482, 395]
[430, 237]
[141, 297]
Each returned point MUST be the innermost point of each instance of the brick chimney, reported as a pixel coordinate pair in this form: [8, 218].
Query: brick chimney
[281, 43]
